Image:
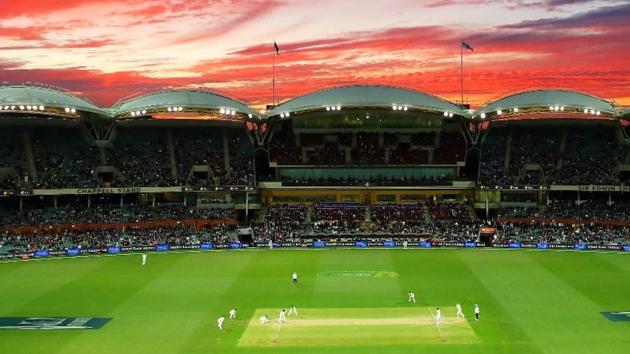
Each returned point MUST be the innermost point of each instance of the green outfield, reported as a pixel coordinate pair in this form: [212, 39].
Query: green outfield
[349, 301]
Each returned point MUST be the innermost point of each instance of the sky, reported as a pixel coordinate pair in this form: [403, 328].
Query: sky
[105, 50]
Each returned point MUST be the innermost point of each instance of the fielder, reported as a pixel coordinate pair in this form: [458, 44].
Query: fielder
[282, 319]
[232, 314]
[412, 297]
[264, 319]
[220, 322]
[294, 278]
[405, 244]
[270, 244]
[144, 260]
[293, 310]
[459, 311]
[476, 312]
[438, 316]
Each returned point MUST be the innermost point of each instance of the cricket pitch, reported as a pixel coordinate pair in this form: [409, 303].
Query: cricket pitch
[355, 327]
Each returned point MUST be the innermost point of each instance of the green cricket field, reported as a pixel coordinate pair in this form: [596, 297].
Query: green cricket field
[348, 301]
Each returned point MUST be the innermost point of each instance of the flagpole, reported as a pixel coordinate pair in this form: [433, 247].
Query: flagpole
[461, 69]
[273, 77]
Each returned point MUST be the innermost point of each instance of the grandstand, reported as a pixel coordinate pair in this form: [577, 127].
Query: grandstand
[352, 162]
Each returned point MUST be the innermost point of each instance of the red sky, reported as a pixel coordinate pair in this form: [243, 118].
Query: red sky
[107, 49]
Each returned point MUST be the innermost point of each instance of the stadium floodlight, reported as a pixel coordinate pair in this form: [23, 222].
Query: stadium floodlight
[222, 111]
[327, 108]
[339, 107]
[21, 107]
[168, 109]
[499, 112]
[585, 110]
[28, 107]
[515, 109]
[405, 109]
[592, 111]
[450, 115]
[41, 108]
[73, 110]
[133, 114]
[0, 108]
[250, 116]
[144, 111]
[12, 107]
[233, 112]
[598, 113]
[562, 108]
[483, 115]
[445, 113]
[287, 114]
[551, 108]
[6, 107]
[281, 115]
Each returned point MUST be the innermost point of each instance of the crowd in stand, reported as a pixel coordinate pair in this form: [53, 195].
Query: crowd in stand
[99, 239]
[584, 211]
[548, 155]
[69, 215]
[373, 181]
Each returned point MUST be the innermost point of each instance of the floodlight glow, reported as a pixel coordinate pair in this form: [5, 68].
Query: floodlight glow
[598, 113]
[28, 107]
[180, 109]
[450, 115]
[133, 114]
[222, 110]
[327, 108]
[592, 111]
[585, 110]
[233, 112]
[405, 108]
[21, 107]
[250, 116]
[445, 114]
[281, 115]
[338, 107]
[515, 109]
[144, 111]
[483, 116]
[41, 108]
[286, 114]
[562, 108]
[6, 107]
[551, 108]
[499, 112]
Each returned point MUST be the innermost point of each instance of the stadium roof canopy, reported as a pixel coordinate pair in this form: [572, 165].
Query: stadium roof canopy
[550, 103]
[42, 100]
[366, 97]
[185, 101]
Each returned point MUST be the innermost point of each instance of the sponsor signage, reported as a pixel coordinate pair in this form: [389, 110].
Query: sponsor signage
[113, 249]
[206, 246]
[617, 316]
[361, 244]
[514, 245]
[581, 246]
[52, 323]
[234, 245]
[542, 245]
[73, 252]
[626, 248]
[389, 244]
[470, 244]
[603, 188]
[319, 244]
[425, 244]
[41, 253]
[162, 248]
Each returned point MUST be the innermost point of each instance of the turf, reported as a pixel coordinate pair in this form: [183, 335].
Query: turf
[531, 301]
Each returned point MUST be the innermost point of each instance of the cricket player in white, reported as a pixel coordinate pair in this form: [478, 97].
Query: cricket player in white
[405, 244]
[264, 319]
[220, 322]
[270, 244]
[282, 319]
[144, 260]
[294, 278]
[412, 297]
[438, 316]
[232, 314]
[476, 312]
[293, 310]
[459, 311]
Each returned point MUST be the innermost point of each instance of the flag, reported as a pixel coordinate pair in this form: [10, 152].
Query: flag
[467, 46]
[275, 47]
